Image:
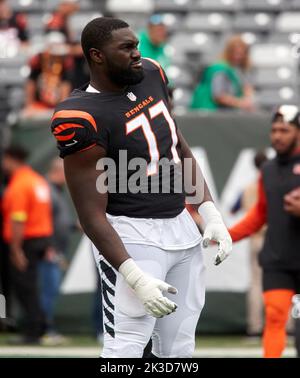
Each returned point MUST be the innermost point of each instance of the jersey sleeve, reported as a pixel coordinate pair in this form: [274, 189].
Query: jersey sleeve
[19, 207]
[161, 71]
[76, 131]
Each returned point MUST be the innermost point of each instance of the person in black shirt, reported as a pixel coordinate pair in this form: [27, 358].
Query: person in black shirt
[280, 259]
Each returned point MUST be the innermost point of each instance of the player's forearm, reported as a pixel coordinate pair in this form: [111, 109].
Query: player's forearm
[249, 225]
[228, 100]
[255, 217]
[105, 238]
[16, 243]
[248, 90]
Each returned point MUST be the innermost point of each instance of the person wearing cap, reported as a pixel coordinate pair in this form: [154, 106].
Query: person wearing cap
[153, 40]
[280, 255]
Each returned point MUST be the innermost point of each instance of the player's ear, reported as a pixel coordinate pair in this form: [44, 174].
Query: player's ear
[96, 55]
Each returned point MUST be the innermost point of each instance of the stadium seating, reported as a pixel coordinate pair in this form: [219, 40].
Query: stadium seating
[79, 20]
[217, 5]
[253, 22]
[137, 6]
[288, 22]
[198, 30]
[271, 55]
[176, 6]
[264, 5]
[271, 77]
[213, 22]
[269, 98]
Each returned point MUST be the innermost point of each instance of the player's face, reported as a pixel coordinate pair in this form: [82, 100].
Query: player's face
[238, 55]
[284, 137]
[158, 34]
[123, 59]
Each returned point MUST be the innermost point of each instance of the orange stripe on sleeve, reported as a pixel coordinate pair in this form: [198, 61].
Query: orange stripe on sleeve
[254, 219]
[66, 126]
[75, 114]
[160, 69]
[65, 137]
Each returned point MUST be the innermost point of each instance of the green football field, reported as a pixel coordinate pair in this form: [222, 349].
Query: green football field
[85, 346]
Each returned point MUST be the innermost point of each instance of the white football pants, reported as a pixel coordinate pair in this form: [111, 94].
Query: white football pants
[127, 328]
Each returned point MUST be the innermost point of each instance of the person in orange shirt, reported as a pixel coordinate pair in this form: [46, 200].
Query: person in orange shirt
[27, 229]
[276, 207]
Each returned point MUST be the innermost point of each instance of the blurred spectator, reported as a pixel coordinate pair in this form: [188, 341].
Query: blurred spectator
[49, 81]
[254, 295]
[80, 74]
[27, 226]
[279, 257]
[59, 21]
[153, 40]
[226, 84]
[50, 268]
[7, 324]
[13, 29]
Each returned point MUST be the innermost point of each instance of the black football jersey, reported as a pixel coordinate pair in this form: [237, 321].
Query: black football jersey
[133, 124]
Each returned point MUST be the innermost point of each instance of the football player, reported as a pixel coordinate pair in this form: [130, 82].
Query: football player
[145, 242]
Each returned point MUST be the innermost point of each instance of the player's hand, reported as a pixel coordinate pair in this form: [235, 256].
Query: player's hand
[218, 232]
[292, 202]
[215, 230]
[246, 103]
[148, 290]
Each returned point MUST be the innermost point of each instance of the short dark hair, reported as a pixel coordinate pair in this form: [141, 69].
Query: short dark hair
[98, 32]
[16, 152]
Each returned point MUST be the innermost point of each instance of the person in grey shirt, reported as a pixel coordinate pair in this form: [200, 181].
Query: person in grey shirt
[225, 84]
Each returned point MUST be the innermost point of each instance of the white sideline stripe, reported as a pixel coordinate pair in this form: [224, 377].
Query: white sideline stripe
[95, 352]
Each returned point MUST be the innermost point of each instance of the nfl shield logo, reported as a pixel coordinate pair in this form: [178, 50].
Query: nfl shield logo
[131, 96]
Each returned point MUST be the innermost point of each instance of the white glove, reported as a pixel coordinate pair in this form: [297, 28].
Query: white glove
[216, 230]
[148, 289]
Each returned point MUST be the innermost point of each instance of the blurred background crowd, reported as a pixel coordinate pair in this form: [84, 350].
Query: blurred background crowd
[235, 52]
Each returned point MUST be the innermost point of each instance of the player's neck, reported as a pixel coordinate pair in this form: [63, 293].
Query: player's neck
[103, 84]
